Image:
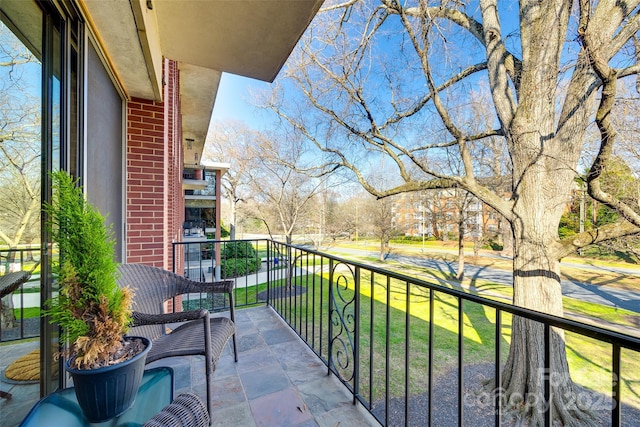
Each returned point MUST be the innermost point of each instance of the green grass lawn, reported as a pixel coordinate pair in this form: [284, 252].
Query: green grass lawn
[27, 313]
[578, 309]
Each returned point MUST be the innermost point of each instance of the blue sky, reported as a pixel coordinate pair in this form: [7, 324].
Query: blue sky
[234, 100]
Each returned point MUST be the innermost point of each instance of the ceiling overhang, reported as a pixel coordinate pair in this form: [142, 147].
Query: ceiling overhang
[198, 87]
[251, 38]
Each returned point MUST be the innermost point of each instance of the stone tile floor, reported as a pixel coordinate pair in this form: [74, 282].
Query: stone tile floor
[277, 381]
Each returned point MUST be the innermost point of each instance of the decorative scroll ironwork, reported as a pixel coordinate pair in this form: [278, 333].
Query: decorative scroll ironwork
[343, 320]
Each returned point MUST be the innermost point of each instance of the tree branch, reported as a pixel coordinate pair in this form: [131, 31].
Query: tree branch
[423, 101]
[512, 64]
[598, 57]
[498, 61]
[629, 30]
[571, 244]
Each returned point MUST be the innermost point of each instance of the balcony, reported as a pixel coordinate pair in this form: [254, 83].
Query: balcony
[399, 350]
[193, 180]
[197, 181]
[278, 381]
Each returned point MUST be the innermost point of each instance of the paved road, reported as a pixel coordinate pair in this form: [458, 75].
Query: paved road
[601, 294]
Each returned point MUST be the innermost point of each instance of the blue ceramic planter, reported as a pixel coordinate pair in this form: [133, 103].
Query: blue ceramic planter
[106, 393]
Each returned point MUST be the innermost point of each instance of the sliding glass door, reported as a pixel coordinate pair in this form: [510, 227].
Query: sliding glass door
[40, 105]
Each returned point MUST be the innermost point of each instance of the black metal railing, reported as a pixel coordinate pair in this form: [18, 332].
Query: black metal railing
[409, 350]
[20, 307]
[243, 261]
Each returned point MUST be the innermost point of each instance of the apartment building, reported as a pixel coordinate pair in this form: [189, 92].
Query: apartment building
[440, 212]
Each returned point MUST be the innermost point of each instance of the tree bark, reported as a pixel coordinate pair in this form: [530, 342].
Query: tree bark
[542, 183]
[537, 287]
[7, 315]
[524, 380]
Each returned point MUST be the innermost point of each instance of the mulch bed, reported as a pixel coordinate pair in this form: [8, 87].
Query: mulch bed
[478, 410]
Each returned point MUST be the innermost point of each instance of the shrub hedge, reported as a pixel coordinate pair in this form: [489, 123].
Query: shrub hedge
[238, 259]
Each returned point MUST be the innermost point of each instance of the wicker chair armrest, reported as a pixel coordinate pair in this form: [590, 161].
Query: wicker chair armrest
[140, 319]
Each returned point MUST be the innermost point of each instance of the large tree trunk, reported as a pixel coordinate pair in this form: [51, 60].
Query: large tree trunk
[544, 160]
[7, 315]
[505, 235]
[232, 226]
[434, 227]
[537, 286]
[542, 189]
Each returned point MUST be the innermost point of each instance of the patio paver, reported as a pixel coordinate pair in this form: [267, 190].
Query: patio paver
[277, 381]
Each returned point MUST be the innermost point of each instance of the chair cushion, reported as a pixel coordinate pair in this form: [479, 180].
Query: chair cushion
[188, 339]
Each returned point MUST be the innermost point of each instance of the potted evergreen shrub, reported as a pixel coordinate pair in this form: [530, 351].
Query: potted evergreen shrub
[92, 310]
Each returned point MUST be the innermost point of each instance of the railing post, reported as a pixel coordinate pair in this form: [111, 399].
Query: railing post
[430, 391]
[173, 256]
[407, 349]
[269, 252]
[548, 417]
[616, 401]
[356, 337]
[387, 348]
[498, 368]
[460, 361]
[331, 302]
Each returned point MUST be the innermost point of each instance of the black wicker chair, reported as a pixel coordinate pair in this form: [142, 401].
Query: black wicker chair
[186, 410]
[198, 335]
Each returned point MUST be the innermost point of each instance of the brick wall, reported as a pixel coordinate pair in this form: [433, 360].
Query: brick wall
[145, 182]
[155, 201]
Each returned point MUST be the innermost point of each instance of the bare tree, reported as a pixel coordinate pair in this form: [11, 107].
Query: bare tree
[354, 214]
[19, 144]
[434, 205]
[330, 219]
[282, 184]
[230, 142]
[466, 214]
[379, 215]
[392, 79]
